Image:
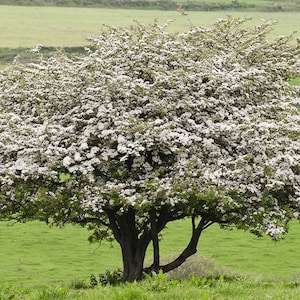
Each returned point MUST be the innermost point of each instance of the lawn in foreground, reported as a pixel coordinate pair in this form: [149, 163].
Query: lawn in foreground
[164, 289]
[69, 26]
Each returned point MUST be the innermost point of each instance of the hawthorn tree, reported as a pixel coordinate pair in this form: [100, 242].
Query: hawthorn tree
[149, 127]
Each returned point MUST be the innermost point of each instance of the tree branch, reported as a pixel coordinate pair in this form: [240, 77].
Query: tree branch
[191, 247]
[113, 224]
[84, 221]
[155, 241]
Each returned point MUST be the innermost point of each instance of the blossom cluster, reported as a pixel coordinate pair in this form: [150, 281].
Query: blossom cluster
[204, 122]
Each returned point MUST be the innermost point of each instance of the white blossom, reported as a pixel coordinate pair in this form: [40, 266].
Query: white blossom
[204, 121]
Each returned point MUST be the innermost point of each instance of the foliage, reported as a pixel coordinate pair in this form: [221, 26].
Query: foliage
[79, 284]
[59, 293]
[108, 277]
[159, 282]
[149, 127]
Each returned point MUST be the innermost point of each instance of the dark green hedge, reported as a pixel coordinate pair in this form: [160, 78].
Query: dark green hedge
[205, 5]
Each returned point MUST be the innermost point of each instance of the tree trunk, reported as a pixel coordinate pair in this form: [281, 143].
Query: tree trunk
[132, 245]
[133, 261]
[155, 241]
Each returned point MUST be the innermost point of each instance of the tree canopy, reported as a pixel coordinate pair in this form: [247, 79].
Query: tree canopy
[149, 127]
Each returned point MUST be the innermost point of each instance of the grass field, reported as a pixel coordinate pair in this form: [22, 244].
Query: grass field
[58, 26]
[34, 255]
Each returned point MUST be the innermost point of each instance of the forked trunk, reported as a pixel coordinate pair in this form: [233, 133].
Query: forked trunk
[134, 242]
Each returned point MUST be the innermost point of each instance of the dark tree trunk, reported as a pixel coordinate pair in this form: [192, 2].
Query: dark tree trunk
[132, 245]
[134, 240]
[155, 242]
[133, 260]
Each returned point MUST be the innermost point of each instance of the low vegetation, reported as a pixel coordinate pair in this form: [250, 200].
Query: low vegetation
[161, 287]
[219, 284]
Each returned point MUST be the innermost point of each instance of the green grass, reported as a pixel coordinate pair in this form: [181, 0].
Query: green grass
[242, 252]
[182, 291]
[34, 255]
[295, 81]
[61, 27]
[24, 27]
[162, 288]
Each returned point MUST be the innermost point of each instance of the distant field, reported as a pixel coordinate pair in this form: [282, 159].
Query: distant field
[61, 27]
[34, 255]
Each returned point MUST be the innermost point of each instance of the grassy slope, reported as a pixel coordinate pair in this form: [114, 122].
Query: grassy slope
[57, 26]
[33, 254]
[25, 27]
